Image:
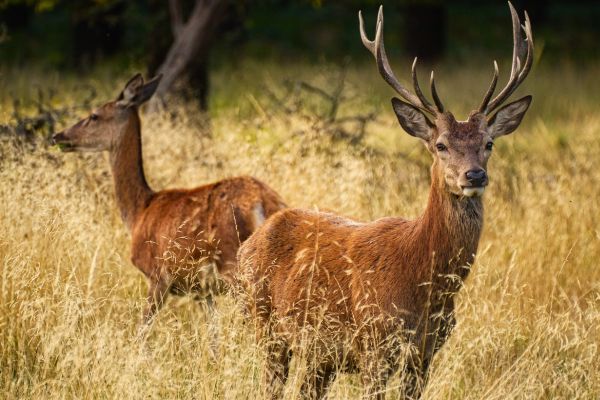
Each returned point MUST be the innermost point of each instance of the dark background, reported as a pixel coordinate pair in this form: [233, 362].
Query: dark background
[76, 36]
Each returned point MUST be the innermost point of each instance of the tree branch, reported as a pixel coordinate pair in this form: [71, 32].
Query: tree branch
[191, 42]
[176, 17]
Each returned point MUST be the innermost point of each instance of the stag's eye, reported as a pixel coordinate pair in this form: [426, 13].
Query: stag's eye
[94, 117]
[489, 146]
[441, 147]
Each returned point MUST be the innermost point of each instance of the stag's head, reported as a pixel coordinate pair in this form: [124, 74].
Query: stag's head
[105, 127]
[460, 149]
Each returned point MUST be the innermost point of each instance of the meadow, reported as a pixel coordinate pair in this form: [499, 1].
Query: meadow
[71, 301]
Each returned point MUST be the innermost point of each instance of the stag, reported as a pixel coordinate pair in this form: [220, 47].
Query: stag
[183, 240]
[359, 290]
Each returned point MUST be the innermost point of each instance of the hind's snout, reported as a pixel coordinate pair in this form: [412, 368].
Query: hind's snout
[58, 137]
[62, 141]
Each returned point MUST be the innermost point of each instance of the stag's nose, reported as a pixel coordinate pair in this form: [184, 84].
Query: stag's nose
[477, 177]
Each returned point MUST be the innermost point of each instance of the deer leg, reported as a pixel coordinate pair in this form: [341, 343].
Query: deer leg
[213, 324]
[317, 382]
[277, 367]
[415, 377]
[374, 382]
[375, 372]
[278, 353]
[417, 364]
[157, 293]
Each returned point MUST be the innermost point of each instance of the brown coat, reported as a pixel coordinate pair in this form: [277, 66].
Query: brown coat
[208, 222]
[355, 288]
[183, 240]
[347, 281]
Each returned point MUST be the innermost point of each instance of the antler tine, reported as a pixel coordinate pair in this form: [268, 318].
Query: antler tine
[491, 89]
[522, 50]
[529, 39]
[517, 39]
[377, 48]
[369, 44]
[418, 91]
[434, 94]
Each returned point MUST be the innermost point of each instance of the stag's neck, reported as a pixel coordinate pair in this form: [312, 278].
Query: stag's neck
[451, 227]
[131, 189]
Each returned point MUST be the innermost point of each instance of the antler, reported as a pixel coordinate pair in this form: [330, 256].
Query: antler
[522, 50]
[377, 48]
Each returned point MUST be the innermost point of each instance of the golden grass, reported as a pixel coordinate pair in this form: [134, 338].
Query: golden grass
[528, 316]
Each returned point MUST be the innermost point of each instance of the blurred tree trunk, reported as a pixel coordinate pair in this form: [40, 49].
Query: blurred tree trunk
[187, 57]
[425, 30]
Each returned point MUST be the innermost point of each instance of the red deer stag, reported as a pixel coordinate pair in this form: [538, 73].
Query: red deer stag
[183, 240]
[359, 287]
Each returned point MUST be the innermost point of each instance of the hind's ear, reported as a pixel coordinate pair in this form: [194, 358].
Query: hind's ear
[509, 117]
[137, 92]
[131, 88]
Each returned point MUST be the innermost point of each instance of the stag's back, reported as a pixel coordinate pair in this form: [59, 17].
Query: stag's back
[318, 268]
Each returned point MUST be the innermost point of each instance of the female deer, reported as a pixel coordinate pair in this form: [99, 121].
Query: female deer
[358, 287]
[183, 240]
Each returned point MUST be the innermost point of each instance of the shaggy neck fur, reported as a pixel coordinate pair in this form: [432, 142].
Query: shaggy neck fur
[131, 189]
[450, 226]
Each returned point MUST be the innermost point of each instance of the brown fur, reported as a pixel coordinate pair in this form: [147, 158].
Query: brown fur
[183, 240]
[359, 287]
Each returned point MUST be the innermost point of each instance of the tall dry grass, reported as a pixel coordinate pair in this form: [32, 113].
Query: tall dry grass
[528, 316]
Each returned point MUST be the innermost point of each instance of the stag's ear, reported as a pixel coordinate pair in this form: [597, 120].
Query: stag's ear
[508, 118]
[412, 120]
[137, 92]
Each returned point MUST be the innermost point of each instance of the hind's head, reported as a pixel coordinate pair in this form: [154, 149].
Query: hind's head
[104, 127]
